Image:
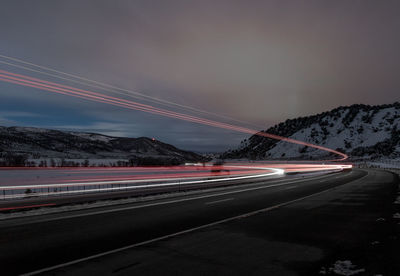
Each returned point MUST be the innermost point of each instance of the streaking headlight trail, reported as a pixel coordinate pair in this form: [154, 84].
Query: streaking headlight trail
[145, 179]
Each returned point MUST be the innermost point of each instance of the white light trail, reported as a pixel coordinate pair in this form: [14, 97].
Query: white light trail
[180, 182]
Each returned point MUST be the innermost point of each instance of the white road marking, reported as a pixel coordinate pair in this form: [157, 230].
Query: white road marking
[292, 187]
[218, 201]
[180, 232]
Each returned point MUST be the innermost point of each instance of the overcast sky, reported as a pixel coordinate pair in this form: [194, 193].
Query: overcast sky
[257, 61]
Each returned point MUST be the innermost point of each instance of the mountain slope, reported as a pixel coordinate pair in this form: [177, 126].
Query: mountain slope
[361, 131]
[45, 143]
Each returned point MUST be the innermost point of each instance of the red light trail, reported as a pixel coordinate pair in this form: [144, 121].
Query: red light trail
[44, 70]
[27, 207]
[98, 97]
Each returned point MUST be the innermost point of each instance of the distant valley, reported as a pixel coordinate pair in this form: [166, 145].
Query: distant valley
[63, 148]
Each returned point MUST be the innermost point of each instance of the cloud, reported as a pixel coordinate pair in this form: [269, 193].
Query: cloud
[15, 118]
[6, 122]
[262, 63]
[18, 114]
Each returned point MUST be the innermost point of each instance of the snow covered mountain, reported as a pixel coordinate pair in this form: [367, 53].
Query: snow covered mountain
[361, 131]
[37, 143]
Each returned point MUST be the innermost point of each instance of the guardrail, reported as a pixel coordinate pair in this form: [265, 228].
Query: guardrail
[139, 186]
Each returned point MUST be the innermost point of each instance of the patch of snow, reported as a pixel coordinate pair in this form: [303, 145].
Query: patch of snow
[92, 136]
[386, 164]
[366, 129]
[346, 268]
[31, 129]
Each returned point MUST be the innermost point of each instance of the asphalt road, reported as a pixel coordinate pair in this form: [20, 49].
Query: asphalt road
[282, 227]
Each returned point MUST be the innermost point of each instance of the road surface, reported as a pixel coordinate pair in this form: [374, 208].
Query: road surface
[284, 227]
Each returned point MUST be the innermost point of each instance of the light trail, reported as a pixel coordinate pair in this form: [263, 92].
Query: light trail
[178, 177]
[98, 97]
[134, 179]
[178, 182]
[107, 87]
[114, 101]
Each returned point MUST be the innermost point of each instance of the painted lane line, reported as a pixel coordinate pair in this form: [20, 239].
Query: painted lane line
[299, 179]
[292, 187]
[160, 203]
[47, 269]
[218, 201]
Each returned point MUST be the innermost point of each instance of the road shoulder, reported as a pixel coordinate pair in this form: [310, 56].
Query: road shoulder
[351, 228]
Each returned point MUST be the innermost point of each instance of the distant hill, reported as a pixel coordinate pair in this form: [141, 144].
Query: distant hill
[361, 131]
[36, 143]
